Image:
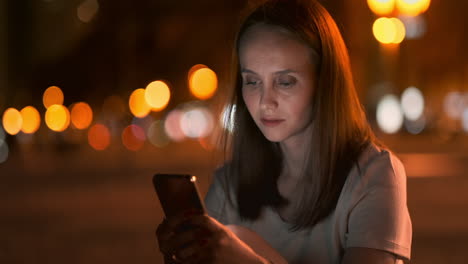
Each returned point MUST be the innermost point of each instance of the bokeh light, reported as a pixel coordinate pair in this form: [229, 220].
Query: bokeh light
[157, 95]
[137, 103]
[412, 103]
[415, 126]
[389, 30]
[172, 125]
[203, 82]
[31, 120]
[389, 114]
[52, 95]
[381, 7]
[454, 104]
[57, 118]
[81, 115]
[99, 137]
[157, 135]
[464, 119]
[133, 137]
[12, 121]
[412, 7]
[87, 10]
[415, 26]
[3, 151]
[197, 123]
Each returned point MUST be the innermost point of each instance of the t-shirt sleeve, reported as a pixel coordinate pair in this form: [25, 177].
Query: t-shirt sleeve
[379, 217]
[215, 199]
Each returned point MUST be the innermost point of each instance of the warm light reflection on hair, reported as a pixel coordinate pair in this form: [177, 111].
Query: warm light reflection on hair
[133, 137]
[81, 115]
[137, 103]
[31, 120]
[412, 7]
[172, 125]
[12, 121]
[57, 118]
[157, 95]
[203, 82]
[52, 95]
[99, 137]
[381, 7]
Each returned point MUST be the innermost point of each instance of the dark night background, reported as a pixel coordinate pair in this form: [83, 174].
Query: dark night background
[62, 201]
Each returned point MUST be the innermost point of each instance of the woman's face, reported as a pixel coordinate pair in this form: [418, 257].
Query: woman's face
[278, 82]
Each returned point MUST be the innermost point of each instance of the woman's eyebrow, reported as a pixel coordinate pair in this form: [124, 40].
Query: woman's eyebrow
[243, 70]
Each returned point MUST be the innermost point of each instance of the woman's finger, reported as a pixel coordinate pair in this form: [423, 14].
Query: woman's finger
[180, 241]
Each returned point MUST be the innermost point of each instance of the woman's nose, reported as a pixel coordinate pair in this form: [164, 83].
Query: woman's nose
[268, 100]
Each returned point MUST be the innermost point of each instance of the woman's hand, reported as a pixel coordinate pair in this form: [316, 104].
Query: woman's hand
[199, 238]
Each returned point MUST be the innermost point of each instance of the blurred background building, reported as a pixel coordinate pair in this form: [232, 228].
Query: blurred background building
[98, 95]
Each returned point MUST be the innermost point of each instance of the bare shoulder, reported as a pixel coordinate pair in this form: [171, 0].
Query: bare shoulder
[363, 255]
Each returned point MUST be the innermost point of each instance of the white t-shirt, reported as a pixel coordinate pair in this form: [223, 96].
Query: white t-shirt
[371, 212]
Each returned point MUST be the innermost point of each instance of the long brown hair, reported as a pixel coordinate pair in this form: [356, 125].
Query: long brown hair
[340, 130]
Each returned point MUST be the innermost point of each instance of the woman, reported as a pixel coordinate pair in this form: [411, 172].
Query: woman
[307, 181]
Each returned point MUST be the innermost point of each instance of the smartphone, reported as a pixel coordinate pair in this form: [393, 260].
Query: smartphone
[177, 193]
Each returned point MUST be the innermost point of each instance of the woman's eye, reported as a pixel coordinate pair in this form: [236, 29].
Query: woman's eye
[251, 82]
[286, 82]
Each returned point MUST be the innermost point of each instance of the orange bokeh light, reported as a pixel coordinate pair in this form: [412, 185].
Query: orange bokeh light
[99, 137]
[12, 121]
[137, 103]
[157, 95]
[203, 82]
[52, 95]
[81, 115]
[31, 120]
[57, 118]
[133, 137]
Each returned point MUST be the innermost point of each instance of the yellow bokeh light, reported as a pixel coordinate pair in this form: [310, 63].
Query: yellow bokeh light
[203, 82]
[57, 118]
[384, 30]
[389, 30]
[400, 30]
[12, 121]
[381, 7]
[412, 7]
[81, 115]
[137, 103]
[52, 95]
[157, 95]
[31, 120]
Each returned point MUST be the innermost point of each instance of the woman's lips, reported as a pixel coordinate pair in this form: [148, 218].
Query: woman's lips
[271, 122]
